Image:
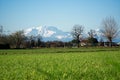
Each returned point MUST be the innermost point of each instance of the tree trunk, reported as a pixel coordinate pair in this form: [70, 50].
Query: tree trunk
[110, 43]
[78, 44]
[78, 41]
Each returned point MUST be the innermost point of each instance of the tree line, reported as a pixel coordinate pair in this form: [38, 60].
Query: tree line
[109, 27]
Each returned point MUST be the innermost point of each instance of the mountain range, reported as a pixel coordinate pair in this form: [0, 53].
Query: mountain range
[49, 33]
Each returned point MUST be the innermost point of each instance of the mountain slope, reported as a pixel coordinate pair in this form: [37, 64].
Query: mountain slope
[49, 33]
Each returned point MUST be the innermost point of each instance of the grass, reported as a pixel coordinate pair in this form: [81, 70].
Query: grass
[60, 64]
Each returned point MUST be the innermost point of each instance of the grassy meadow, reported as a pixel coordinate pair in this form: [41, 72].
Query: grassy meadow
[60, 64]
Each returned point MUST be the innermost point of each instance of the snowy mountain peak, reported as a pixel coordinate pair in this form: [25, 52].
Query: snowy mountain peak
[34, 30]
[49, 33]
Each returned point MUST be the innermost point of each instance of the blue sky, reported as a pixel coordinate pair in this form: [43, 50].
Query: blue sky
[22, 14]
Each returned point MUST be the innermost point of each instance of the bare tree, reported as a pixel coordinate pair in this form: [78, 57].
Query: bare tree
[91, 39]
[77, 33]
[17, 38]
[110, 29]
[91, 33]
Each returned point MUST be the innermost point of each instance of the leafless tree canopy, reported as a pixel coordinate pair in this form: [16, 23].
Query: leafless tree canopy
[77, 32]
[91, 33]
[110, 28]
[18, 37]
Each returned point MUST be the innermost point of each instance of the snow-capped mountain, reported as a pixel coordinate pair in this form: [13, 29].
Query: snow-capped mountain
[49, 33]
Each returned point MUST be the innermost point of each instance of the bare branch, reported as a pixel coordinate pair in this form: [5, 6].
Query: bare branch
[110, 28]
[77, 32]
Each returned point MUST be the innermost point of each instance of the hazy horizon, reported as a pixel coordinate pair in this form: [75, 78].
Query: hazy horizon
[63, 14]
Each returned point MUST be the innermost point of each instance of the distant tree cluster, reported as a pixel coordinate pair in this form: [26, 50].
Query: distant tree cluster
[19, 40]
[110, 30]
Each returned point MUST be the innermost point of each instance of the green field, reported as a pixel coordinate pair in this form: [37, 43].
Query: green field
[60, 64]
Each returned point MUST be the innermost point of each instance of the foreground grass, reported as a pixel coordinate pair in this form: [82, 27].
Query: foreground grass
[60, 64]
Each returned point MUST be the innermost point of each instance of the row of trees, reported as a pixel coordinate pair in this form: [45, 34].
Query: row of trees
[19, 40]
[109, 27]
[110, 30]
